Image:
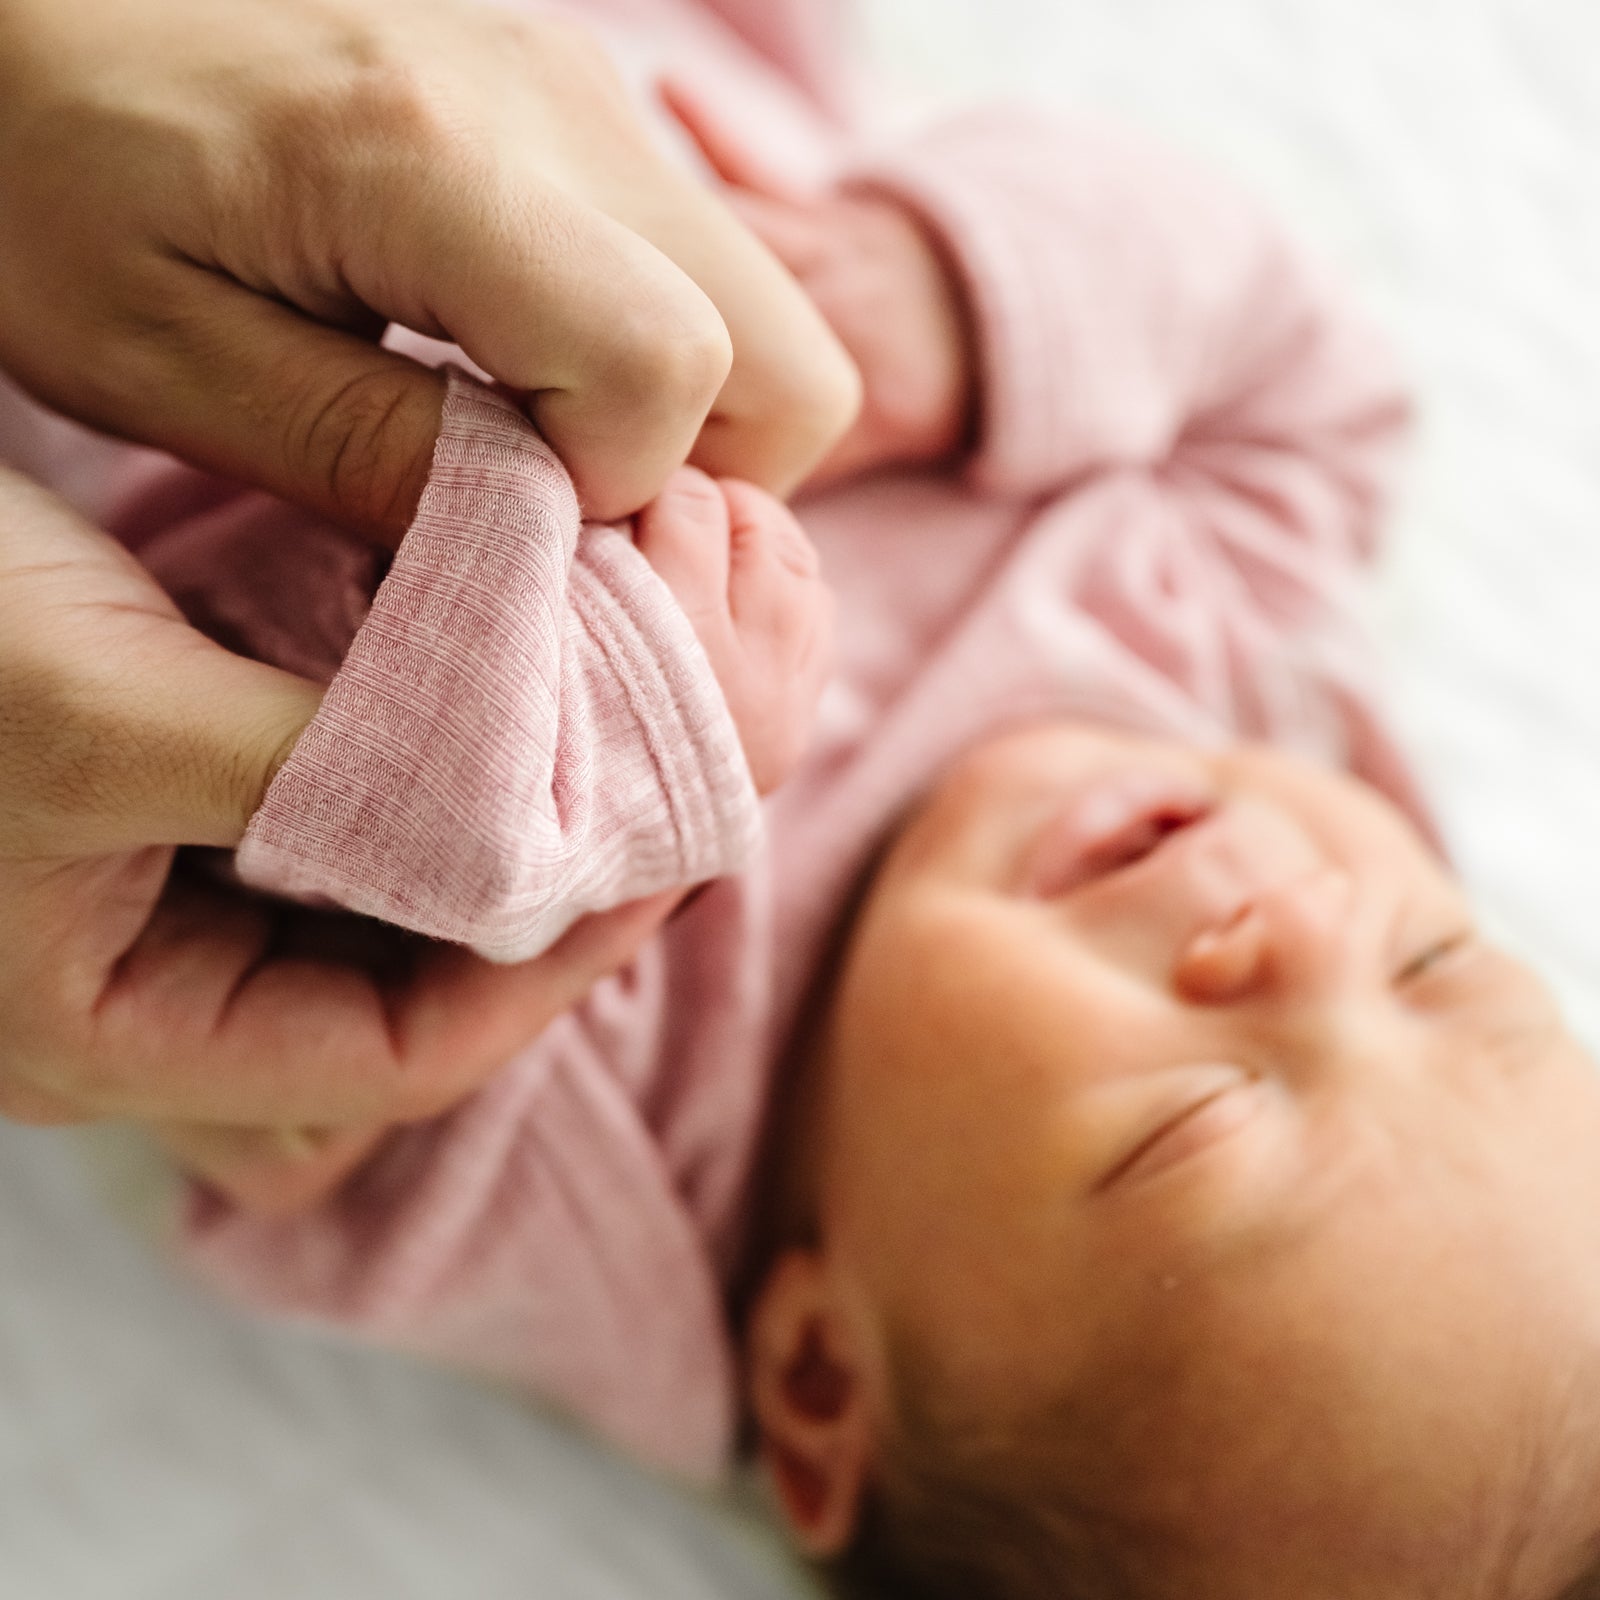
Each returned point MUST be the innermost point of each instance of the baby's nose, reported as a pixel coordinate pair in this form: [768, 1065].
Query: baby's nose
[1290, 941]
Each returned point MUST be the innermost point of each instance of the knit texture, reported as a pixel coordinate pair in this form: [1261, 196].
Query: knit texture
[524, 729]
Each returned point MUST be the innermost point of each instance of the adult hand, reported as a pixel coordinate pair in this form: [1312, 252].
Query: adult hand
[212, 211]
[127, 990]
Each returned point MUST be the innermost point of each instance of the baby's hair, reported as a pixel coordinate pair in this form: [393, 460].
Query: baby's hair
[957, 1512]
[931, 1538]
[926, 1539]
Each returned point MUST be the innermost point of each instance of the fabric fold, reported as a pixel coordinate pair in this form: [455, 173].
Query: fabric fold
[524, 729]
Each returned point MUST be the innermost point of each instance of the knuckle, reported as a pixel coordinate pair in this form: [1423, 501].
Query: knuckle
[678, 356]
[393, 94]
[379, 101]
[327, 141]
[122, 357]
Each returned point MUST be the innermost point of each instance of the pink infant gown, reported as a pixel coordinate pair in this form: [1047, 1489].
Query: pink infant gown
[1176, 482]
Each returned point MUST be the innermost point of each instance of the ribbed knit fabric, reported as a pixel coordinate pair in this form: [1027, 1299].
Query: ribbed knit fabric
[524, 729]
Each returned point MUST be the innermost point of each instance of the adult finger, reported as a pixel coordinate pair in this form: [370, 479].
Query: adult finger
[793, 389]
[121, 726]
[272, 1172]
[223, 1009]
[285, 1170]
[198, 265]
[620, 356]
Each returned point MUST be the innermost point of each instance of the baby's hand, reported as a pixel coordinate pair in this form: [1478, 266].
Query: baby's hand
[879, 278]
[749, 581]
[876, 276]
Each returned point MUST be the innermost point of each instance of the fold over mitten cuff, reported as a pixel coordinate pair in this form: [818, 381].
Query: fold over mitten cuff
[525, 728]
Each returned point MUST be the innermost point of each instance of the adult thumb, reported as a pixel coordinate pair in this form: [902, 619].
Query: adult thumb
[121, 726]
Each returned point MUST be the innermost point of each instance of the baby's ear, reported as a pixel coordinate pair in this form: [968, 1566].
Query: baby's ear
[812, 1403]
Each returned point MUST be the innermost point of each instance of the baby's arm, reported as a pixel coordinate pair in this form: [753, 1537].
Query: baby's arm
[532, 723]
[1203, 428]
[1053, 298]
[1131, 309]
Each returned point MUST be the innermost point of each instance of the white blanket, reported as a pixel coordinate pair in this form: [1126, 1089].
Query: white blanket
[154, 1447]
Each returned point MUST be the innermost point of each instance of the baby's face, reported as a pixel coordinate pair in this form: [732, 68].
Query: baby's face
[1186, 1078]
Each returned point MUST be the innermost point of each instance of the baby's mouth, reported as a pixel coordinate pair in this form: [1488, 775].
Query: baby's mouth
[1118, 822]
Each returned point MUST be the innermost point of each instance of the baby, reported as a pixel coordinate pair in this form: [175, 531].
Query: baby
[1164, 1189]
[1180, 1197]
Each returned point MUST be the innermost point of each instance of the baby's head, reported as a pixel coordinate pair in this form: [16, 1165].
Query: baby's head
[1182, 1199]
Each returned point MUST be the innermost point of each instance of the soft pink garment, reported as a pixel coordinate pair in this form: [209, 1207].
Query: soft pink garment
[524, 730]
[1183, 444]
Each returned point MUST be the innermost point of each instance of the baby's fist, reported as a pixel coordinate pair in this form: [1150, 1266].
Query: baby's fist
[882, 280]
[877, 276]
[749, 581]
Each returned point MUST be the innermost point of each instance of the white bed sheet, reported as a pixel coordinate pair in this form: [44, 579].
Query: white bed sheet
[155, 1447]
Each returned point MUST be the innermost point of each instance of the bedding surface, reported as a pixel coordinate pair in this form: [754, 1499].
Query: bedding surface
[156, 1447]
